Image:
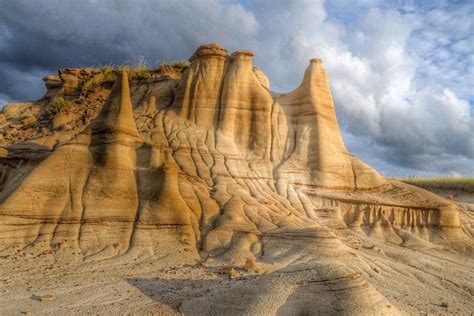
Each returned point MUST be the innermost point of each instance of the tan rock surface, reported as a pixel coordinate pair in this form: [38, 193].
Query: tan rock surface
[209, 163]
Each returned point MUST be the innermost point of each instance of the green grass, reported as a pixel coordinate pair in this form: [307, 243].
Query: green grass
[109, 73]
[105, 74]
[56, 104]
[441, 183]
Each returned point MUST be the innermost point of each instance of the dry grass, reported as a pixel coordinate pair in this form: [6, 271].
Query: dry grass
[138, 70]
[104, 75]
[182, 63]
[442, 183]
[109, 73]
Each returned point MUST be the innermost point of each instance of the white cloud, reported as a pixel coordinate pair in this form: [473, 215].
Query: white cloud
[443, 40]
[416, 125]
[67, 33]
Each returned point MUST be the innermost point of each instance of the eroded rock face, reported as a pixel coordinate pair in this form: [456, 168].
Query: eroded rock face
[67, 81]
[209, 161]
[218, 152]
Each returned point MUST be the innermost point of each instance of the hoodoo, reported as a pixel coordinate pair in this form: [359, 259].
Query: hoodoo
[312, 118]
[204, 159]
[199, 98]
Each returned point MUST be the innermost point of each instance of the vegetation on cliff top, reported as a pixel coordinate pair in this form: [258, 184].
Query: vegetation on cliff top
[108, 73]
[140, 70]
[181, 63]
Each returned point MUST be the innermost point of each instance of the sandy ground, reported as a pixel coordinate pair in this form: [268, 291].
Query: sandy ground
[391, 279]
[143, 288]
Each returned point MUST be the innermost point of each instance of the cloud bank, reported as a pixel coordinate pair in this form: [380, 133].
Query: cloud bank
[401, 75]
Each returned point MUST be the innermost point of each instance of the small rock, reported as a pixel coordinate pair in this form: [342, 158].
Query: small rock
[450, 197]
[44, 298]
[444, 304]
[249, 264]
[231, 272]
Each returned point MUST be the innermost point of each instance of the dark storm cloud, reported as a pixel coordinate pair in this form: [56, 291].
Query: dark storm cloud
[42, 36]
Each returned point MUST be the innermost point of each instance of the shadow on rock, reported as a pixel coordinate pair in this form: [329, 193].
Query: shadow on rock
[308, 292]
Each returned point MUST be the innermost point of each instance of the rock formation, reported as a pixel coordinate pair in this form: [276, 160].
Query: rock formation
[204, 161]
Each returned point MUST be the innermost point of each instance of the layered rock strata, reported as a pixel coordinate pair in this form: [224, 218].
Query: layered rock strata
[203, 161]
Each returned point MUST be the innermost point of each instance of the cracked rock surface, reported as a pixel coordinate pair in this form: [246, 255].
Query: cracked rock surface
[164, 182]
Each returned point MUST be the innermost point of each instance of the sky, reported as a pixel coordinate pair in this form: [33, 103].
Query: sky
[401, 72]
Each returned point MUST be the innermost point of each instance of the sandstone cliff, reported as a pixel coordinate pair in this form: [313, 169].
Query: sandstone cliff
[205, 161]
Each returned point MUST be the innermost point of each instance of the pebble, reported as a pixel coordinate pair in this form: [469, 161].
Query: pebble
[44, 298]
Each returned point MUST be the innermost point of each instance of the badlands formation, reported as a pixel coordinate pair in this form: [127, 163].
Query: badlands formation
[200, 191]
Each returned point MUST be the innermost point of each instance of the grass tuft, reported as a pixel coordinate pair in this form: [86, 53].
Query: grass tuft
[104, 75]
[109, 73]
[138, 70]
[181, 64]
[56, 104]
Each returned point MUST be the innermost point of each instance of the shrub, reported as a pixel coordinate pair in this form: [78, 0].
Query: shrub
[56, 104]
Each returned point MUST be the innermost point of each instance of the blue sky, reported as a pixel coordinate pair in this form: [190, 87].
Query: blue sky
[401, 72]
